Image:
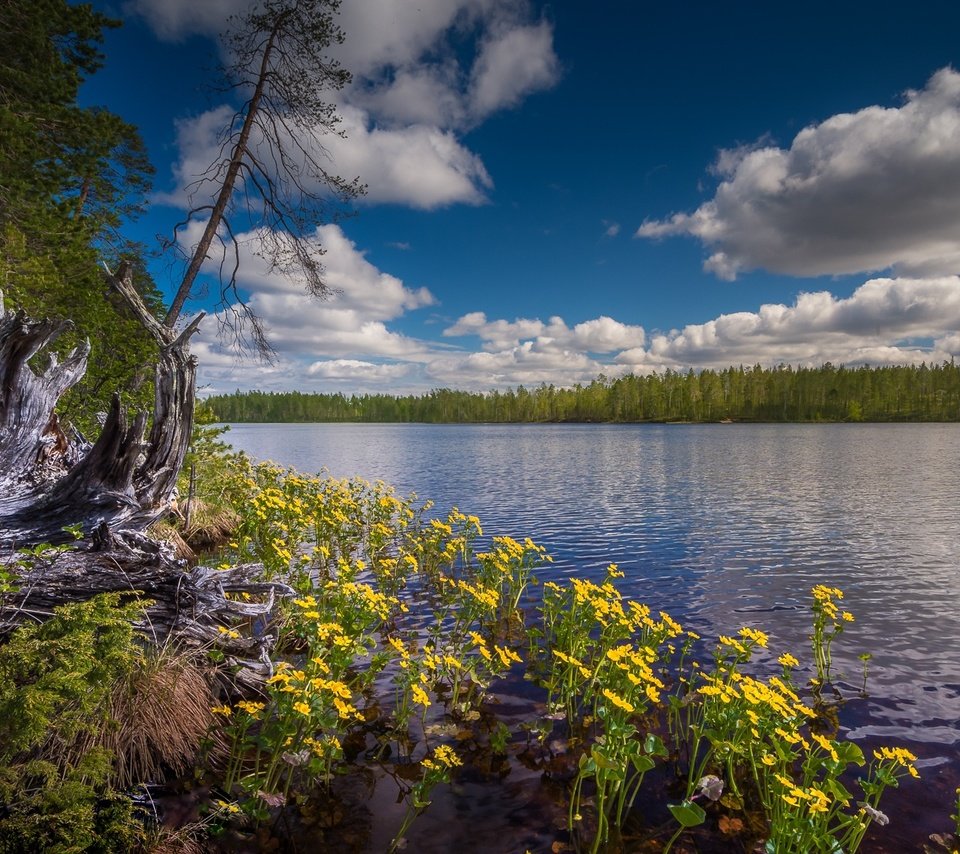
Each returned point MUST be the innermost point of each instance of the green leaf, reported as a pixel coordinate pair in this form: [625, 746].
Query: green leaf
[835, 788]
[848, 753]
[603, 761]
[688, 814]
[654, 746]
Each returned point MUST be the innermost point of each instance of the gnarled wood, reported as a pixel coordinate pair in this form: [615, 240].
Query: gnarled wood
[124, 479]
[112, 490]
[27, 398]
[189, 605]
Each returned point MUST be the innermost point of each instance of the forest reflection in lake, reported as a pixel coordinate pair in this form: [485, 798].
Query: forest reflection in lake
[722, 525]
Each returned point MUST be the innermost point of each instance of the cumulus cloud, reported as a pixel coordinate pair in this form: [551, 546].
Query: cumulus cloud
[350, 340]
[879, 323]
[859, 192]
[527, 364]
[314, 339]
[353, 369]
[601, 335]
[510, 66]
[418, 165]
[885, 321]
[423, 73]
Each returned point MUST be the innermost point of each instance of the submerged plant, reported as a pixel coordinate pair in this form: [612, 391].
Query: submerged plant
[434, 769]
[401, 625]
[828, 624]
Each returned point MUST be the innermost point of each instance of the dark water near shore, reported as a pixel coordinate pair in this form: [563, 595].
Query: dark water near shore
[721, 525]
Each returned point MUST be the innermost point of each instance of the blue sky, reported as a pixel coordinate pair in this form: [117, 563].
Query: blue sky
[562, 189]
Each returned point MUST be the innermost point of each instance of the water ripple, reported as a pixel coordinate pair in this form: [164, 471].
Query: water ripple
[713, 523]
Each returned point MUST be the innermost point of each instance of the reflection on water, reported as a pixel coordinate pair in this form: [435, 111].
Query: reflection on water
[722, 525]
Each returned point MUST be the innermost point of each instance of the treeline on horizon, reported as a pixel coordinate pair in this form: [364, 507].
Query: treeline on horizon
[828, 393]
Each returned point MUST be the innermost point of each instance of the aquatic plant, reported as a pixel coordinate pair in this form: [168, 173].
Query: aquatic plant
[402, 622]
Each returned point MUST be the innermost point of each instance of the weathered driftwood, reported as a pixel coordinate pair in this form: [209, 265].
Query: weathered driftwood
[194, 606]
[31, 447]
[48, 482]
[111, 491]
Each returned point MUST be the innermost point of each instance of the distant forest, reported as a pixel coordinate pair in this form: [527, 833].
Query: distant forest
[828, 393]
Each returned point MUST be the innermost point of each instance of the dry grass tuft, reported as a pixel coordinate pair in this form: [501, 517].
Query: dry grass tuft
[210, 526]
[161, 718]
[182, 841]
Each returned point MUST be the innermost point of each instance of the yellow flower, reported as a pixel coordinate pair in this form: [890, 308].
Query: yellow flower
[506, 655]
[420, 696]
[302, 708]
[768, 760]
[345, 710]
[251, 708]
[787, 660]
[226, 711]
[398, 646]
[758, 637]
[447, 756]
[619, 702]
[826, 744]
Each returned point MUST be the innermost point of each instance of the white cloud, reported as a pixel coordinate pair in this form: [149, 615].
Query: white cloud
[510, 66]
[877, 324]
[612, 229]
[419, 165]
[350, 327]
[395, 33]
[354, 370]
[859, 192]
[601, 335]
[527, 364]
[419, 95]
[423, 73]
[349, 342]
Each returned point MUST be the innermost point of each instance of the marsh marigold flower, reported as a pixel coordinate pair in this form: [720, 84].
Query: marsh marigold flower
[619, 702]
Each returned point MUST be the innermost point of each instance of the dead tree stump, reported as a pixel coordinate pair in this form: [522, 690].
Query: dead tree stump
[110, 491]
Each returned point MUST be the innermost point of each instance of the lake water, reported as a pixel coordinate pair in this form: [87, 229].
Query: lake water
[724, 525]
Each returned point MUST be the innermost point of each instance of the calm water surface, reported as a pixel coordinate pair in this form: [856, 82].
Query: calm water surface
[723, 525]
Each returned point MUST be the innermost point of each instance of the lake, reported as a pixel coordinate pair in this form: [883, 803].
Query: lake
[724, 525]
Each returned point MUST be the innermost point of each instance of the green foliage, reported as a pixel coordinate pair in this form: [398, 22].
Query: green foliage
[69, 177]
[65, 811]
[401, 629]
[64, 169]
[827, 393]
[57, 676]
[56, 680]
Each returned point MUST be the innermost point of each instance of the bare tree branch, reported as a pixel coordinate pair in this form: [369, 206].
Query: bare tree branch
[271, 157]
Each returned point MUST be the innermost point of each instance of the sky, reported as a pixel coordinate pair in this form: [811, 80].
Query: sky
[562, 190]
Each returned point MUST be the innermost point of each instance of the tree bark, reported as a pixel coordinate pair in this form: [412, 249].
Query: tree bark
[109, 492]
[190, 606]
[48, 482]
